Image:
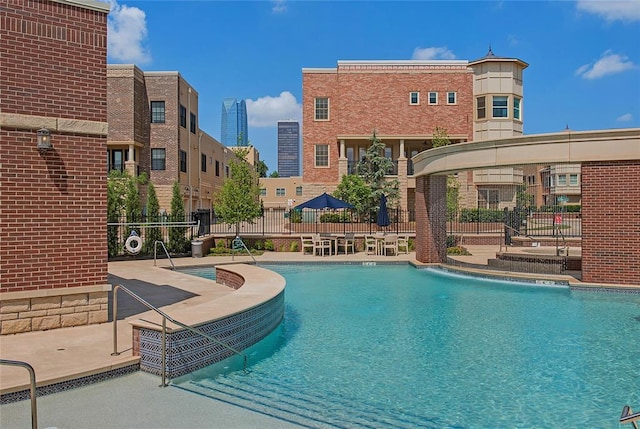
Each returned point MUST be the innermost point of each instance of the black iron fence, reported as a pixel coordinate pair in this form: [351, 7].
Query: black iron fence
[178, 233]
[137, 235]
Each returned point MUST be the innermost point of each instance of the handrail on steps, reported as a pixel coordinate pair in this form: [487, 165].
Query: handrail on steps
[32, 387]
[165, 317]
[628, 416]
[239, 243]
[155, 249]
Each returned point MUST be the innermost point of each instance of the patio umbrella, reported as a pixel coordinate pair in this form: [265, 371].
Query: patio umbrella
[383, 215]
[324, 201]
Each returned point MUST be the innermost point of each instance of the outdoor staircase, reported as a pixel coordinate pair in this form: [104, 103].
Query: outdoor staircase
[306, 407]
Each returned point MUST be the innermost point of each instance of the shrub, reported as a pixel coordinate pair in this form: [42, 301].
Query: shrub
[452, 241]
[293, 247]
[221, 244]
[258, 245]
[335, 217]
[268, 245]
[481, 215]
[295, 216]
[457, 250]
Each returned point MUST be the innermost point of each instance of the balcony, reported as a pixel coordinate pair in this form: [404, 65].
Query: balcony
[352, 168]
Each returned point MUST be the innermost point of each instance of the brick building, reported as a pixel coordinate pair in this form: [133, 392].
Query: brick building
[53, 256]
[404, 102]
[153, 128]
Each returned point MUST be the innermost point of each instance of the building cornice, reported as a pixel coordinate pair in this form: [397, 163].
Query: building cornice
[87, 4]
[60, 125]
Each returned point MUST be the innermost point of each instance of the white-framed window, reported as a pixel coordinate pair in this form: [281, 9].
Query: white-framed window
[299, 191]
[280, 192]
[452, 97]
[481, 107]
[433, 98]
[516, 108]
[562, 180]
[414, 98]
[322, 155]
[573, 179]
[321, 109]
[500, 106]
[263, 192]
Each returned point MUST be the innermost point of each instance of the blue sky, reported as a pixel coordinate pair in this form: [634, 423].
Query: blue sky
[584, 56]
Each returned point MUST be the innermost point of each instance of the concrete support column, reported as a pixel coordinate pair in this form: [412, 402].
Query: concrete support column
[130, 165]
[343, 162]
[402, 182]
[402, 155]
[431, 219]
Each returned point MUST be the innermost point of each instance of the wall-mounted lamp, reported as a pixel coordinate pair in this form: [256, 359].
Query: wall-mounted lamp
[44, 140]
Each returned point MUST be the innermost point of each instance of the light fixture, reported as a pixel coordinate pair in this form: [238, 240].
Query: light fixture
[44, 140]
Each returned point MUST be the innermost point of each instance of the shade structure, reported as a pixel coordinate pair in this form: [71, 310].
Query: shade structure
[324, 201]
[383, 214]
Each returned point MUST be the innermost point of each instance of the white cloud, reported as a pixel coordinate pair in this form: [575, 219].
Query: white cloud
[279, 6]
[609, 63]
[625, 118]
[628, 10]
[267, 111]
[434, 53]
[126, 34]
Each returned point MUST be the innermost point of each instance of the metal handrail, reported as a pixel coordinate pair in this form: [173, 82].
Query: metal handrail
[239, 240]
[165, 317]
[155, 251]
[502, 235]
[628, 416]
[32, 387]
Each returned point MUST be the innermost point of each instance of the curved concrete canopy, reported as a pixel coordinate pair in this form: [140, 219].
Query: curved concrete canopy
[571, 147]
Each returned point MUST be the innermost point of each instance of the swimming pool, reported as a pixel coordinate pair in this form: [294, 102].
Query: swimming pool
[395, 346]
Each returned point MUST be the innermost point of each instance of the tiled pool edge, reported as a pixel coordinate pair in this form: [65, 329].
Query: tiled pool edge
[62, 386]
[188, 351]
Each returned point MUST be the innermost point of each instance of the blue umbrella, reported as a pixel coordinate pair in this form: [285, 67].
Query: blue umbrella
[324, 201]
[383, 215]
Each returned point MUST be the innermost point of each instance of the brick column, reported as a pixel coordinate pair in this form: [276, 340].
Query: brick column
[611, 222]
[431, 219]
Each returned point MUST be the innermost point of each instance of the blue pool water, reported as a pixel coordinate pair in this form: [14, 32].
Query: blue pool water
[394, 347]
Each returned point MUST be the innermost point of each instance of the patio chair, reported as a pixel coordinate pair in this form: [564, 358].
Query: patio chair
[346, 242]
[370, 245]
[307, 244]
[390, 243]
[403, 243]
[321, 244]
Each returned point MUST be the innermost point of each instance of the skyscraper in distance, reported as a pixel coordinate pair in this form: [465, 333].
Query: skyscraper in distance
[234, 129]
[288, 148]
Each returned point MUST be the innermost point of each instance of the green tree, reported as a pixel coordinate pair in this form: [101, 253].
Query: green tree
[524, 200]
[373, 168]
[440, 137]
[355, 191]
[116, 187]
[239, 199]
[178, 241]
[274, 174]
[132, 206]
[262, 168]
[152, 234]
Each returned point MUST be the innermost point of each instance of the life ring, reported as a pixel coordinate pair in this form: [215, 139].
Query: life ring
[133, 244]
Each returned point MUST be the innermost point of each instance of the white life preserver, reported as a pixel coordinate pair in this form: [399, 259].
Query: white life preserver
[133, 244]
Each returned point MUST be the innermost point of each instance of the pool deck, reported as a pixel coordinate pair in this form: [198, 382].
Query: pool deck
[70, 353]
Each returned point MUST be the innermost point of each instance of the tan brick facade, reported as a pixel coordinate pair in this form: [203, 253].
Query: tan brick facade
[53, 203]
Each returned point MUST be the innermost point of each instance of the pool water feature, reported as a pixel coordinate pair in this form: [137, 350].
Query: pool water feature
[399, 347]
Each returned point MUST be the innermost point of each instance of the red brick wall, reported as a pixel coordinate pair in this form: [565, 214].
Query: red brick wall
[363, 101]
[320, 132]
[52, 205]
[611, 222]
[53, 60]
[431, 218]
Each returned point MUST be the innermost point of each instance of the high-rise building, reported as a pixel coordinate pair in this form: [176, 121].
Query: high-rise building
[288, 148]
[234, 129]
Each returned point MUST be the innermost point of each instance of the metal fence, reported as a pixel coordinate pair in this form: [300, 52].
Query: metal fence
[509, 222]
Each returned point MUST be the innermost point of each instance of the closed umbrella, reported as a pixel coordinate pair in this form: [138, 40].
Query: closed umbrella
[383, 215]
